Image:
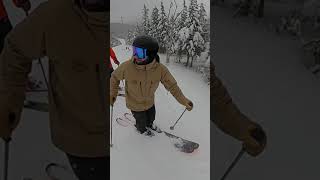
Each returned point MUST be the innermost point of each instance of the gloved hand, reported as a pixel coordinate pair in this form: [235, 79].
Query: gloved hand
[7, 123]
[189, 105]
[25, 5]
[112, 99]
[255, 140]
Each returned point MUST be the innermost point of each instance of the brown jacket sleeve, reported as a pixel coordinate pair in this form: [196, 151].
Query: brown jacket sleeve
[116, 76]
[22, 45]
[226, 115]
[171, 85]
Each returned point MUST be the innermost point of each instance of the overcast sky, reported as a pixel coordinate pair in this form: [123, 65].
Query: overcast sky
[131, 10]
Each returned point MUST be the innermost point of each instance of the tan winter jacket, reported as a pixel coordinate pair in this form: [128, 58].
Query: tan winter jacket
[76, 43]
[225, 114]
[141, 83]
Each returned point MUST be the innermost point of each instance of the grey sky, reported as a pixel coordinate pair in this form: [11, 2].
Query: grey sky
[131, 10]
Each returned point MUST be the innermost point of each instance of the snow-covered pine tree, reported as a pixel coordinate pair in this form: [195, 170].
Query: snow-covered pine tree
[162, 28]
[172, 29]
[145, 20]
[204, 23]
[131, 35]
[180, 36]
[184, 15]
[137, 31]
[154, 31]
[195, 42]
[173, 33]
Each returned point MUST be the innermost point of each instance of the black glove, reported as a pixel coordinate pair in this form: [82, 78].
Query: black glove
[7, 125]
[189, 105]
[256, 140]
[112, 100]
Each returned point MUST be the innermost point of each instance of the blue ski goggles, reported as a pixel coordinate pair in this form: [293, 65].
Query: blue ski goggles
[139, 54]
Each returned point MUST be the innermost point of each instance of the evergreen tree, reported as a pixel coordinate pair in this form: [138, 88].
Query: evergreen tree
[184, 15]
[154, 31]
[131, 35]
[204, 23]
[181, 36]
[195, 42]
[162, 28]
[145, 20]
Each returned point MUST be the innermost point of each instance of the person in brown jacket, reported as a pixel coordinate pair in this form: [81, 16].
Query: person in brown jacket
[231, 121]
[142, 75]
[73, 34]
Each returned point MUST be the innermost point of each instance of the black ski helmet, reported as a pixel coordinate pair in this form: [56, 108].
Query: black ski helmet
[149, 43]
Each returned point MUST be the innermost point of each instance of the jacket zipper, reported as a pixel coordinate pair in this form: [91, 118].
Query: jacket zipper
[145, 87]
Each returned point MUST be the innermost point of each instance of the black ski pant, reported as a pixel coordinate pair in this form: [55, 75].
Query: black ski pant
[5, 28]
[90, 168]
[144, 119]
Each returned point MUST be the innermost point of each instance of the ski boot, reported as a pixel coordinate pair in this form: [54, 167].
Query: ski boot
[148, 133]
[155, 128]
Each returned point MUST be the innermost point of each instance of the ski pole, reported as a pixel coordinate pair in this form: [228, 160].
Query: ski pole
[7, 141]
[43, 73]
[6, 158]
[172, 127]
[111, 144]
[235, 161]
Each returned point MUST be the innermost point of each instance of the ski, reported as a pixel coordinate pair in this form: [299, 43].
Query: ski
[181, 144]
[38, 106]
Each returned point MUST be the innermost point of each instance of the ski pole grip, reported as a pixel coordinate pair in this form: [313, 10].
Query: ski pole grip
[259, 135]
[11, 119]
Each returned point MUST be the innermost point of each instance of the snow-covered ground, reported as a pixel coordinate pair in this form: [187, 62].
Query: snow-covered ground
[137, 157]
[268, 82]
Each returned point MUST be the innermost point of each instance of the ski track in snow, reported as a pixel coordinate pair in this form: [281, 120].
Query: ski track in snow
[268, 82]
[137, 157]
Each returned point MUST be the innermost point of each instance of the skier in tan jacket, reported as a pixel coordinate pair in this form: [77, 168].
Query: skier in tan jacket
[142, 75]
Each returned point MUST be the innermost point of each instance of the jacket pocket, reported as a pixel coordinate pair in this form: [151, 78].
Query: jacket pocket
[135, 88]
[152, 88]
